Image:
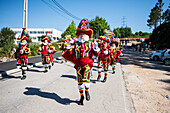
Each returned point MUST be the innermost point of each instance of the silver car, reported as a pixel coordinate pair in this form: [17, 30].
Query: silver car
[166, 57]
[156, 55]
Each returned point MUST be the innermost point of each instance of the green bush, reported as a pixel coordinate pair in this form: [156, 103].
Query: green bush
[34, 49]
[56, 46]
[6, 51]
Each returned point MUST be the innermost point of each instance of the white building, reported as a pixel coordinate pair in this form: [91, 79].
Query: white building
[36, 33]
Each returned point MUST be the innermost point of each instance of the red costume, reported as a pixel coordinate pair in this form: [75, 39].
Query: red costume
[104, 57]
[81, 55]
[65, 44]
[44, 50]
[23, 51]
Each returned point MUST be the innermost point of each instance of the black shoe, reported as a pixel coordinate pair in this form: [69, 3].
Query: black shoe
[87, 96]
[81, 100]
[53, 64]
[98, 78]
[45, 71]
[23, 78]
[104, 80]
[49, 67]
[113, 72]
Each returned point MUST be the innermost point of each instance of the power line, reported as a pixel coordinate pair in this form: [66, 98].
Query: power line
[54, 8]
[65, 11]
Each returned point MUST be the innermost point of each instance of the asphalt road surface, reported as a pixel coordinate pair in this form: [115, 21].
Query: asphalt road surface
[56, 92]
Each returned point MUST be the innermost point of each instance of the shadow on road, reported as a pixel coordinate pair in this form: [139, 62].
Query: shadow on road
[167, 74]
[54, 96]
[6, 77]
[34, 70]
[70, 76]
[142, 60]
[168, 82]
[75, 78]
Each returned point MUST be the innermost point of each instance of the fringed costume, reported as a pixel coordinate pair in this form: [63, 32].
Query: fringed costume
[23, 51]
[81, 55]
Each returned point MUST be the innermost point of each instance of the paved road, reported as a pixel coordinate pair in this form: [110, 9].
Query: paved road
[142, 60]
[56, 92]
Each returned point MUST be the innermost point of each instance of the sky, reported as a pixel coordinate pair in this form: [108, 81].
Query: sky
[40, 15]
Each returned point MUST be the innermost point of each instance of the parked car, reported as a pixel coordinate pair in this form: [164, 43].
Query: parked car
[165, 57]
[156, 55]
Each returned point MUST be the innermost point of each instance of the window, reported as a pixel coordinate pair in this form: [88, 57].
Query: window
[33, 38]
[168, 52]
[50, 32]
[54, 38]
[39, 38]
[18, 32]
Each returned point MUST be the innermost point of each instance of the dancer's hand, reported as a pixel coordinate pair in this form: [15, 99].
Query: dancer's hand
[106, 52]
[96, 49]
[50, 51]
[40, 49]
[68, 47]
[21, 51]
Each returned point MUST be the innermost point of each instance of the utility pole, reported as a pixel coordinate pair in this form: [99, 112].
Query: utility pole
[25, 14]
[97, 32]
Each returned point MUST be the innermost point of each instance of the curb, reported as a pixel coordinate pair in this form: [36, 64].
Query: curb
[130, 108]
[5, 73]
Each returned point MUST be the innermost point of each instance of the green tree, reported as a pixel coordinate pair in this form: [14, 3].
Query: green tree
[124, 32]
[71, 30]
[98, 25]
[141, 34]
[156, 15]
[161, 36]
[160, 5]
[116, 32]
[7, 37]
[153, 17]
[167, 14]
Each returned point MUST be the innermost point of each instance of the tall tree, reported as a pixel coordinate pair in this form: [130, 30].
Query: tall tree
[167, 14]
[153, 17]
[161, 36]
[156, 15]
[98, 25]
[71, 30]
[160, 5]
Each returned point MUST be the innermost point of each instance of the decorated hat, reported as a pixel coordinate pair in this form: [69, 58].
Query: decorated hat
[84, 28]
[107, 33]
[24, 35]
[49, 36]
[104, 38]
[45, 38]
[112, 38]
[67, 36]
